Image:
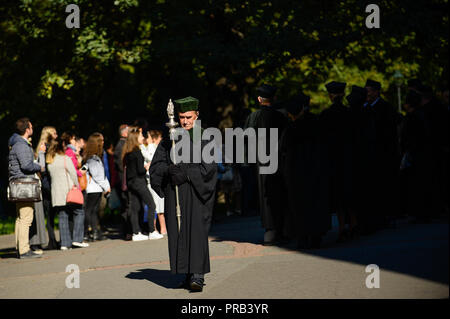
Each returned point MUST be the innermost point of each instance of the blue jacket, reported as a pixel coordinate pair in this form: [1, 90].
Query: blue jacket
[21, 158]
[106, 165]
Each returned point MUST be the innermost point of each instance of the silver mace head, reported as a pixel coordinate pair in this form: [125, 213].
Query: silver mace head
[171, 114]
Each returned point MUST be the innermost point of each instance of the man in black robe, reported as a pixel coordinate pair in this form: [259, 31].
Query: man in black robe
[268, 194]
[335, 128]
[356, 100]
[416, 160]
[303, 162]
[436, 129]
[378, 159]
[188, 248]
[446, 149]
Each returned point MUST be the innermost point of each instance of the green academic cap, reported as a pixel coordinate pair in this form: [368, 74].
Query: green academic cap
[335, 87]
[373, 84]
[186, 104]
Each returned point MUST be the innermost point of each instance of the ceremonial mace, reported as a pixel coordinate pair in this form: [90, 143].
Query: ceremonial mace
[172, 125]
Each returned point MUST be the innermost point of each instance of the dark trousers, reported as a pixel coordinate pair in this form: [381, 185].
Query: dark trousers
[50, 213]
[249, 190]
[68, 236]
[124, 207]
[195, 277]
[138, 194]
[91, 207]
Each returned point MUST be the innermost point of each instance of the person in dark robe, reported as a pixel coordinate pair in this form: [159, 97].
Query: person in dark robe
[268, 192]
[436, 125]
[123, 195]
[188, 248]
[249, 193]
[303, 166]
[335, 127]
[416, 160]
[446, 149]
[378, 160]
[356, 100]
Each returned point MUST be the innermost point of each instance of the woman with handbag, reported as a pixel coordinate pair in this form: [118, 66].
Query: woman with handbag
[67, 198]
[73, 150]
[97, 185]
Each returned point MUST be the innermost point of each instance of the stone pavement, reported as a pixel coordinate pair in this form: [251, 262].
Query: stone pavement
[413, 263]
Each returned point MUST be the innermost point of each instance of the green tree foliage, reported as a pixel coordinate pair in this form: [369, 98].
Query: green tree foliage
[130, 56]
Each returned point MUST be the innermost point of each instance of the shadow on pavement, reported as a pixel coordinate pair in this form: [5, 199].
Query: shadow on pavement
[419, 250]
[163, 278]
[8, 253]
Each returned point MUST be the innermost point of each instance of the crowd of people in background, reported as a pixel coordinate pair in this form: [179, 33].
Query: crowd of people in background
[352, 161]
[116, 177]
[365, 162]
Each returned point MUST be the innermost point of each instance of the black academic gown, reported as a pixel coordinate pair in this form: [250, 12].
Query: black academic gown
[268, 192]
[188, 250]
[336, 133]
[416, 166]
[436, 130]
[304, 164]
[376, 162]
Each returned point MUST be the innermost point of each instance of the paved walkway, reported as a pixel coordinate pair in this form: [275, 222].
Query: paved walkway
[413, 263]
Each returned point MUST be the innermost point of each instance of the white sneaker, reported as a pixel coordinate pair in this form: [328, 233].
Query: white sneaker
[38, 251]
[155, 235]
[139, 237]
[81, 245]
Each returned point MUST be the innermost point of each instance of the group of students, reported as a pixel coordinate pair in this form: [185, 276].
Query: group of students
[364, 162]
[66, 162]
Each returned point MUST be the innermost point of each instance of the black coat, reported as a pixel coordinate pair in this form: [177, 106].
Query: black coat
[376, 156]
[304, 164]
[268, 190]
[135, 171]
[118, 158]
[436, 127]
[336, 129]
[188, 250]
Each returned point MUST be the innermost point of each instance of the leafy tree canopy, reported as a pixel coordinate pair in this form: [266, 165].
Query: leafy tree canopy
[130, 56]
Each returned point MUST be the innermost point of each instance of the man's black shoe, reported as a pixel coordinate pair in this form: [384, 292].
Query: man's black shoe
[196, 286]
[30, 254]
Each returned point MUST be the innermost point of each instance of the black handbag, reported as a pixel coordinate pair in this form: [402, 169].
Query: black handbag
[26, 189]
